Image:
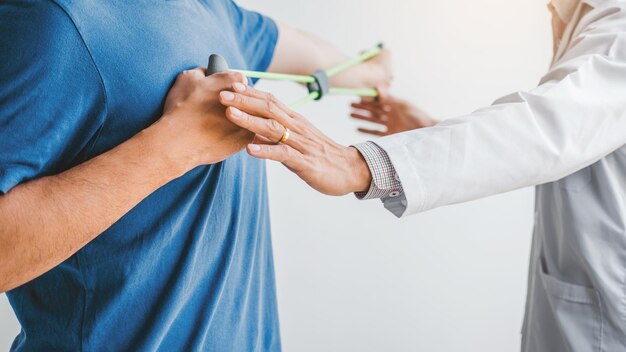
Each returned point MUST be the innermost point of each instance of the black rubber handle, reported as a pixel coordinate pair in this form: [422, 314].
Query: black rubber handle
[216, 64]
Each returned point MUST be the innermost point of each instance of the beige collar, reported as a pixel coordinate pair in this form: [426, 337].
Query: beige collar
[566, 14]
[565, 9]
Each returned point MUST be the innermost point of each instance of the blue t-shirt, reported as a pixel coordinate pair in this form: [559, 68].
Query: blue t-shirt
[189, 268]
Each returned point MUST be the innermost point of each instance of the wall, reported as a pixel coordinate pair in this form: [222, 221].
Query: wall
[351, 277]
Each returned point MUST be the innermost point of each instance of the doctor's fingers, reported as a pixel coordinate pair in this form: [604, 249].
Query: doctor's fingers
[266, 96]
[374, 108]
[272, 130]
[282, 153]
[372, 132]
[266, 106]
[258, 139]
[380, 119]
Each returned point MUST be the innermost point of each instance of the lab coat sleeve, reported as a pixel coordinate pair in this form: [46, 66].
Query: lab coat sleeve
[576, 116]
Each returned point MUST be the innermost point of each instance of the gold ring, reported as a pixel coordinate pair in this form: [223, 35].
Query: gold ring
[285, 137]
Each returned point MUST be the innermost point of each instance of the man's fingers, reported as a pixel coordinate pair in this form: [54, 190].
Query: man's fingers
[198, 71]
[228, 77]
[374, 132]
[281, 153]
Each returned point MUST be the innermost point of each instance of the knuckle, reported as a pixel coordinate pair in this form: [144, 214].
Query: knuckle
[224, 78]
[220, 76]
[269, 107]
[242, 99]
[286, 151]
[275, 126]
[240, 77]
[271, 98]
[245, 118]
[232, 77]
[185, 75]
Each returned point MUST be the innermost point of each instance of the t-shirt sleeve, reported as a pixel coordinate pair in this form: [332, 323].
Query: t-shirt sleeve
[256, 35]
[52, 101]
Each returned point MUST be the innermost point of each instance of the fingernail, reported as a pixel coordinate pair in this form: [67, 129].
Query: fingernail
[235, 112]
[226, 95]
[254, 147]
[239, 87]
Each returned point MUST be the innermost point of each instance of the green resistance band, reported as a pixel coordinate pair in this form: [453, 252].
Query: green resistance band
[317, 84]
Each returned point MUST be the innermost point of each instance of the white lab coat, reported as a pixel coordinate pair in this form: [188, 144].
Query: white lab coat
[566, 135]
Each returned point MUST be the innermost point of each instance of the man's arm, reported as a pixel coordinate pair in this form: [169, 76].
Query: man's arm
[298, 52]
[45, 221]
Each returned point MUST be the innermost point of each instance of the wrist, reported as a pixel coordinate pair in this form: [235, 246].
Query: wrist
[358, 172]
[359, 76]
[165, 140]
[371, 73]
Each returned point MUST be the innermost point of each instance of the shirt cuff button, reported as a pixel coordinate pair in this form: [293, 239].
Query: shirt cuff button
[394, 194]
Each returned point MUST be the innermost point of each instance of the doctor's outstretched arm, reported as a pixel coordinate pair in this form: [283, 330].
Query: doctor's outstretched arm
[576, 116]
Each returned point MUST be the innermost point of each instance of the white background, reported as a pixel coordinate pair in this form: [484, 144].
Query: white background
[351, 277]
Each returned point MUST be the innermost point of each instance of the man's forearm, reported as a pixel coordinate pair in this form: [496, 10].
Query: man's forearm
[45, 221]
[298, 52]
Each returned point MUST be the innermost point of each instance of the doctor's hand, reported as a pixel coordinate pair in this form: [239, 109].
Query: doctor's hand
[394, 115]
[328, 167]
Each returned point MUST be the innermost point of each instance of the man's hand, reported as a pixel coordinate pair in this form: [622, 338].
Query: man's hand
[375, 72]
[326, 166]
[394, 114]
[196, 120]
[74, 207]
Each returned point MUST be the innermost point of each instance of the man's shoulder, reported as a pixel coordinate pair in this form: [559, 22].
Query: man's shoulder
[41, 40]
[34, 14]
[37, 27]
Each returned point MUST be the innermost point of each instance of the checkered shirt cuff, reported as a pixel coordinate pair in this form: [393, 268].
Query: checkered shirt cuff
[385, 181]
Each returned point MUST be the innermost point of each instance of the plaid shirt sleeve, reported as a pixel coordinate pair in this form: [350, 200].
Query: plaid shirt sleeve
[385, 181]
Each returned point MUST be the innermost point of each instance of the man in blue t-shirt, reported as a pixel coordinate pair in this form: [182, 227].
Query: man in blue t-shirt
[129, 218]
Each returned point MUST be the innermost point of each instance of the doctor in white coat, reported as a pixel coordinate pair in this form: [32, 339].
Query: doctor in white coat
[566, 136]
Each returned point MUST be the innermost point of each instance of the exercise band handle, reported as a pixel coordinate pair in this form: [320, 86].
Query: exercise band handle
[216, 64]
